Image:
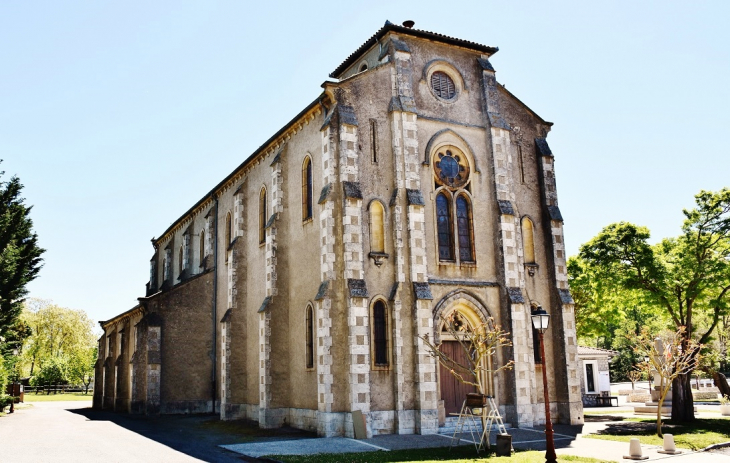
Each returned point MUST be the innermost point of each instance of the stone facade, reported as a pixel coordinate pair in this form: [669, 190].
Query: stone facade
[469, 221]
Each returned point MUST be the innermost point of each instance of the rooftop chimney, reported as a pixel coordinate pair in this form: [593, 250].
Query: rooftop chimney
[409, 24]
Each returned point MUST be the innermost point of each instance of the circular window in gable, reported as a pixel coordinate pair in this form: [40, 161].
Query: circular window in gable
[443, 85]
[451, 167]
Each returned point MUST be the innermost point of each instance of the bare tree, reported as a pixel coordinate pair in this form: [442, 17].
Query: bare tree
[670, 355]
[634, 376]
[480, 344]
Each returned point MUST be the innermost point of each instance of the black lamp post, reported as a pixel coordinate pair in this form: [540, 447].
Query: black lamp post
[540, 320]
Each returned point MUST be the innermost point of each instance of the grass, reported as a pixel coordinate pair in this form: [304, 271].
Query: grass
[696, 435]
[72, 396]
[464, 454]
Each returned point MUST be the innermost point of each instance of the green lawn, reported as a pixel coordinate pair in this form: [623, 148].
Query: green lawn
[695, 436]
[57, 397]
[463, 454]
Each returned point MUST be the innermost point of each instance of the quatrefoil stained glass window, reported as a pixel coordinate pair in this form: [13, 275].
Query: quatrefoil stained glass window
[451, 168]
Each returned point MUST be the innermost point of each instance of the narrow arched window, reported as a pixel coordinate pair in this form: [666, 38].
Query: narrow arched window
[307, 188]
[262, 215]
[528, 240]
[377, 227]
[380, 334]
[464, 228]
[180, 261]
[201, 251]
[444, 227]
[310, 337]
[228, 229]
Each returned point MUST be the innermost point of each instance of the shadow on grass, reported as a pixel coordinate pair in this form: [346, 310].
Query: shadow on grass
[648, 427]
[695, 435]
[195, 435]
[602, 418]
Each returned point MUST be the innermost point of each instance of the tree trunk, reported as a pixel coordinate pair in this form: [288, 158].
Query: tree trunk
[682, 400]
[721, 383]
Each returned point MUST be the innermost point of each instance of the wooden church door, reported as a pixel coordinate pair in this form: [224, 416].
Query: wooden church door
[453, 392]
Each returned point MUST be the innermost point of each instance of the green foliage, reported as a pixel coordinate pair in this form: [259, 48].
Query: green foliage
[20, 255]
[81, 366]
[4, 374]
[54, 371]
[687, 278]
[58, 335]
[606, 313]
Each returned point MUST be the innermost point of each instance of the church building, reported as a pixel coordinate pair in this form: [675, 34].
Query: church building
[297, 290]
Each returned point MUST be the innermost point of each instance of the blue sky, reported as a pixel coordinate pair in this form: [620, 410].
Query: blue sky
[118, 116]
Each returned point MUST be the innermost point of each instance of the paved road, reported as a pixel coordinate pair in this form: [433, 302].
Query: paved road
[72, 432]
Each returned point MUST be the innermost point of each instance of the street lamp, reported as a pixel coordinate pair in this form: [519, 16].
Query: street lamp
[540, 320]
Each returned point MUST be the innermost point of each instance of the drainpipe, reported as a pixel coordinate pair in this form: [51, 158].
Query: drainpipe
[215, 301]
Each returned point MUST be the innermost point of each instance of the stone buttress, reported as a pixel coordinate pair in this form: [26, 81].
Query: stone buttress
[234, 263]
[522, 412]
[409, 200]
[358, 325]
[563, 331]
[329, 422]
[269, 417]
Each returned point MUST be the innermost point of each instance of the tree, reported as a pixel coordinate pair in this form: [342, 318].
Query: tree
[54, 371]
[81, 367]
[671, 356]
[20, 255]
[688, 276]
[58, 334]
[606, 312]
[479, 343]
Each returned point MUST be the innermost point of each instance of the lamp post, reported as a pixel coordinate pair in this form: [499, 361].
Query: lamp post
[540, 320]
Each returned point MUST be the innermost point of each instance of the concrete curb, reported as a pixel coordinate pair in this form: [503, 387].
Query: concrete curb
[721, 445]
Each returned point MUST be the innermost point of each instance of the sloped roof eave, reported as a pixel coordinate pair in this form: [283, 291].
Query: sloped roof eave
[388, 27]
[522, 103]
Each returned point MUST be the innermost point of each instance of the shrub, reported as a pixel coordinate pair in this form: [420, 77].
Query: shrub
[53, 372]
[704, 395]
[4, 373]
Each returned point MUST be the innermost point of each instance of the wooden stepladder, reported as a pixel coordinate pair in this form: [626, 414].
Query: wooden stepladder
[477, 406]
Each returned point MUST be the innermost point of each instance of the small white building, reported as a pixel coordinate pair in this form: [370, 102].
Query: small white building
[593, 368]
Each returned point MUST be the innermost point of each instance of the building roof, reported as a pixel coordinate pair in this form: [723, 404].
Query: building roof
[390, 27]
[588, 351]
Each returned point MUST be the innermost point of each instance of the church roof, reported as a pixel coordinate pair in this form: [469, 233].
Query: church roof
[389, 26]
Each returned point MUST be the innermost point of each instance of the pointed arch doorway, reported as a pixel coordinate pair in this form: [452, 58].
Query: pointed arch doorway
[471, 313]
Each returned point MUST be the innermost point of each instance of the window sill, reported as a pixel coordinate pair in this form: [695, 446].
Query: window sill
[380, 367]
[306, 221]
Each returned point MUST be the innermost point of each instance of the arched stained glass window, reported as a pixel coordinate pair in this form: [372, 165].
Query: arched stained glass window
[377, 232]
[262, 215]
[464, 227]
[380, 334]
[444, 226]
[307, 189]
[310, 337]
